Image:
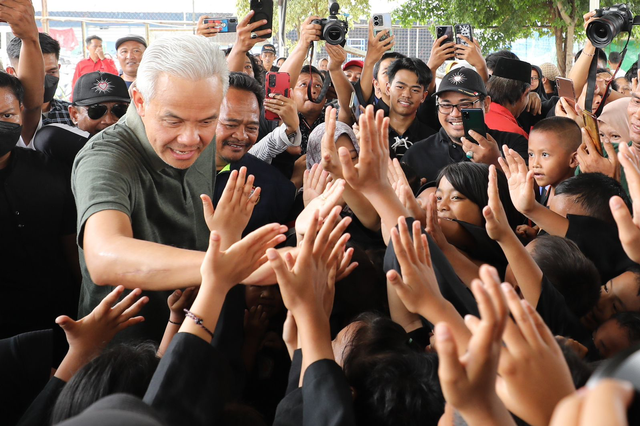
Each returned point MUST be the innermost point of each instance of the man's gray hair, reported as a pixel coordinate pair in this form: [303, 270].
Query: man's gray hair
[186, 56]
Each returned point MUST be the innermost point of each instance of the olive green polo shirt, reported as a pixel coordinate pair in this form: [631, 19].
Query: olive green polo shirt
[119, 170]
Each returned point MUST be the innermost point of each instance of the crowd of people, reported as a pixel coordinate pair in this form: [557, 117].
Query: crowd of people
[173, 257]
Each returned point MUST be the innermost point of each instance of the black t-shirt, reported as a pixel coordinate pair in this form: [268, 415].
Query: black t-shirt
[36, 211]
[556, 314]
[276, 197]
[429, 156]
[483, 248]
[400, 143]
[599, 241]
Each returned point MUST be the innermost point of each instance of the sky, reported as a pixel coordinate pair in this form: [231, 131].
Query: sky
[379, 6]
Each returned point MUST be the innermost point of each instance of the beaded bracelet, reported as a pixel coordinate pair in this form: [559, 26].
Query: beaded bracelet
[197, 320]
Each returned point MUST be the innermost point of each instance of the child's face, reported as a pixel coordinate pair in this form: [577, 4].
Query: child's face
[610, 338]
[550, 162]
[453, 205]
[618, 295]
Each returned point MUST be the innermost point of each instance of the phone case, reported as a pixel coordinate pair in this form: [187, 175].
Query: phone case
[473, 119]
[591, 125]
[276, 83]
[442, 30]
[227, 25]
[381, 22]
[565, 90]
[263, 9]
[465, 30]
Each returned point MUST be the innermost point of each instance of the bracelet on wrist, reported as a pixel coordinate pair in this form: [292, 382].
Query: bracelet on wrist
[176, 323]
[199, 321]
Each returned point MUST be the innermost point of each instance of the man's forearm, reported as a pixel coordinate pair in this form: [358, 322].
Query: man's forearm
[344, 89]
[548, 220]
[31, 73]
[236, 59]
[275, 143]
[293, 64]
[526, 271]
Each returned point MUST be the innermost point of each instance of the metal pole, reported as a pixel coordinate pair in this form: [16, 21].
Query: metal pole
[45, 15]
[281, 31]
[417, 42]
[84, 38]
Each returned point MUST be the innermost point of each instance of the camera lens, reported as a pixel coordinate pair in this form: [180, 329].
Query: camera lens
[602, 31]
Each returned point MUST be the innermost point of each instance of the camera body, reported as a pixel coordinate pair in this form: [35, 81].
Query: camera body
[333, 31]
[609, 22]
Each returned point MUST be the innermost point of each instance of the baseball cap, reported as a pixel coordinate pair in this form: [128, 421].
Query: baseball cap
[131, 37]
[353, 63]
[513, 69]
[269, 48]
[462, 80]
[550, 71]
[99, 86]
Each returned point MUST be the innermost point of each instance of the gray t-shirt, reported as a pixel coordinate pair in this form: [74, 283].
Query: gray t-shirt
[119, 170]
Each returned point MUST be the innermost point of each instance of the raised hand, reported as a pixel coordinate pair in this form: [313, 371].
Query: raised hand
[286, 110]
[592, 162]
[88, 336]
[433, 225]
[322, 204]
[314, 182]
[418, 286]
[246, 29]
[208, 29]
[628, 227]
[234, 207]
[534, 375]
[376, 47]
[440, 52]
[604, 404]
[468, 382]
[497, 224]
[520, 181]
[178, 301]
[330, 159]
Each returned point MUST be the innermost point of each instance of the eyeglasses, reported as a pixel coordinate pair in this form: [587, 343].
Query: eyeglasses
[534, 79]
[448, 108]
[97, 111]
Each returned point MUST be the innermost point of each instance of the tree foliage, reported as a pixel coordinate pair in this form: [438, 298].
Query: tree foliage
[500, 22]
[299, 10]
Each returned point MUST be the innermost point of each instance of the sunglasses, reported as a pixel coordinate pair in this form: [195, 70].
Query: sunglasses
[98, 111]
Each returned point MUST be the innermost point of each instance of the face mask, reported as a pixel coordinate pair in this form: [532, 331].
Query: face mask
[9, 135]
[50, 87]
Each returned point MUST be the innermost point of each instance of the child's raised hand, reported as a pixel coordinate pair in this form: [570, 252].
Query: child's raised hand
[534, 375]
[497, 223]
[322, 204]
[628, 227]
[178, 301]
[468, 382]
[520, 180]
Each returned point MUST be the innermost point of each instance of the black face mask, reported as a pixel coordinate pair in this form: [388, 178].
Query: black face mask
[9, 135]
[50, 87]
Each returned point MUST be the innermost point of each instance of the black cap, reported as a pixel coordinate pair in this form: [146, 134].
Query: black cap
[97, 87]
[131, 37]
[269, 48]
[513, 69]
[463, 80]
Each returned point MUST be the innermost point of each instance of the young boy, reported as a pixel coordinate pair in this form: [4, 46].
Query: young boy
[553, 158]
[617, 334]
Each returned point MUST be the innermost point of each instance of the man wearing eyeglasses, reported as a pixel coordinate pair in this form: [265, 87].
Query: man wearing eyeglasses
[100, 100]
[461, 88]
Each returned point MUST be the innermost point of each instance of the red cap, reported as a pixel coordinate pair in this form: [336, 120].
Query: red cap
[353, 63]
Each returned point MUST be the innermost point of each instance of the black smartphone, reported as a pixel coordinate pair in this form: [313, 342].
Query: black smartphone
[263, 9]
[473, 119]
[445, 30]
[465, 30]
[225, 25]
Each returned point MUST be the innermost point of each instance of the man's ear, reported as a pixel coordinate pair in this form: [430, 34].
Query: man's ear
[138, 101]
[424, 98]
[73, 113]
[387, 89]
[12, 71]
[487, 104]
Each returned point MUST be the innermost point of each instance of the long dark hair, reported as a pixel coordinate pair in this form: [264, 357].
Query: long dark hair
[472, 181]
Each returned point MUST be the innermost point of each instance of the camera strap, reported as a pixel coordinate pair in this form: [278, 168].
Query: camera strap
[325, 85]
[591, 80]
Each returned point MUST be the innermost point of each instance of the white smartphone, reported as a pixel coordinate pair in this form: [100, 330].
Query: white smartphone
[381, 22]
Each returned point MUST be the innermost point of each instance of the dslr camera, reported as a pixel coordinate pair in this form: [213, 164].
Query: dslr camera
[609, 22]
[334, 31]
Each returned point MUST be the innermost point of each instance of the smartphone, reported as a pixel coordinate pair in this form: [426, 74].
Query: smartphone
[276, 83]
[473, 119]
[382, 22]
[465, 30]
[445, 30]
[565, 90]
[354, 104]
[225, 25]
[263, 9]
[591, 125]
